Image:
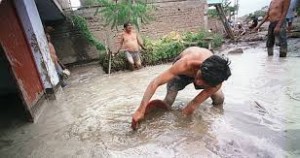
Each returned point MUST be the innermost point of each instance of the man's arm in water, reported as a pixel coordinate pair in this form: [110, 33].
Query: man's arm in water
[285, 7]
[200, 98]
[163, 78]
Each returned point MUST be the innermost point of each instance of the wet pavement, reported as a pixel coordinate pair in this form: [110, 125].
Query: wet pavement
[91, 116]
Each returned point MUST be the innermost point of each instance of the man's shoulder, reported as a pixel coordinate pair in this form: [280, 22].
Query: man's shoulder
[179, 65]
[185, 64]
[133, 33]
[121, 33]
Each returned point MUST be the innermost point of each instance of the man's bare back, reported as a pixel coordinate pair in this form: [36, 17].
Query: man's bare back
[193, 55]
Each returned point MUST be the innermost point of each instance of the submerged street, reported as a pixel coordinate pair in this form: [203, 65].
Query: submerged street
[92, 115]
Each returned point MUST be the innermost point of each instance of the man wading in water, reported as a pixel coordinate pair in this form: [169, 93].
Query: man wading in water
[130, 43]
[277, 28]
[194, 65]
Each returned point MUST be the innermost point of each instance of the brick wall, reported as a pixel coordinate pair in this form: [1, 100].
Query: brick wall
[179, 16]
[175, 16]
[216, 25]
[64, 4]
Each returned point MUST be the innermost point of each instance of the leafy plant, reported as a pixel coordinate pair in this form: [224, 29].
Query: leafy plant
[120, 12]
[165, 49]
[212, 13]
[217, 40]
[81, 24]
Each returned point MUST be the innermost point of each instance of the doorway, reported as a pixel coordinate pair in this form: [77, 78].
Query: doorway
[11, 105]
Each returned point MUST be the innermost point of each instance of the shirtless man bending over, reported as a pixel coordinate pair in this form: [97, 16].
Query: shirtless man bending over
[130, 43]
[277, 28]
[194, 65]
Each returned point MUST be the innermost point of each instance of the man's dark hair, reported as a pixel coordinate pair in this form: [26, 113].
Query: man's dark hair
[215, 70]
[126, 24]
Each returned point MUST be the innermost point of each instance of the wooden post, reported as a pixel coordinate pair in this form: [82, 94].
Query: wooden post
[109, 53]
[208, 40]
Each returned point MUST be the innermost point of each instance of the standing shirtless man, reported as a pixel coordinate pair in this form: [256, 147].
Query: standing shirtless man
[277, 28]
[194, 65]
[291, 14]
[130, 44]
[58, 67]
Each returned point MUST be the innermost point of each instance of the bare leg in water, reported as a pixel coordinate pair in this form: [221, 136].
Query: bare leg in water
[170, 97]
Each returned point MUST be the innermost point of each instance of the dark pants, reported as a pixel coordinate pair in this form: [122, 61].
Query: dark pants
[178, 83]
[280, 39]
[59, 71]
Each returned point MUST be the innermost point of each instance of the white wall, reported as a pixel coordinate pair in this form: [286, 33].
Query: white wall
[32, 25]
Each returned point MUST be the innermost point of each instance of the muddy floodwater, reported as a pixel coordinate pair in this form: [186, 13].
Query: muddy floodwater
[92, 116]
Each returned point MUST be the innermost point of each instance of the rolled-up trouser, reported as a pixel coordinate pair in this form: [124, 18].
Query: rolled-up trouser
[59, 71]
[133, 57]
[280, 38]
[179, 82]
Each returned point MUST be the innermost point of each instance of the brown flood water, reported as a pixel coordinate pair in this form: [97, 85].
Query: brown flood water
[91, 117]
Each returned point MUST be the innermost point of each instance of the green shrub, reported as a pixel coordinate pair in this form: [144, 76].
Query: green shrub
[217, 40]
[163, 50]
[81, 24]
[118, 62]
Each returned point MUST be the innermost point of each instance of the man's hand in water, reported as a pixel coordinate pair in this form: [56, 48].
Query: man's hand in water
[137, 116]
[188, 110]
[277, 29]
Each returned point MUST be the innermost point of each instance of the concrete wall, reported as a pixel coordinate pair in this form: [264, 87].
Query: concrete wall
[63, 4]
[216, 25]
[35, 35]
[176, 16]
[170, 16]
[70, 45]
